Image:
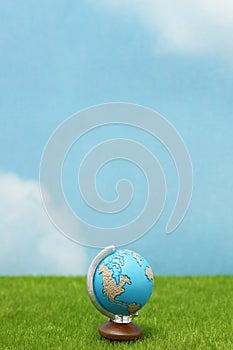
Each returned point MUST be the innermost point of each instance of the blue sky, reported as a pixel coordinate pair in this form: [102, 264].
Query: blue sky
[60, 57]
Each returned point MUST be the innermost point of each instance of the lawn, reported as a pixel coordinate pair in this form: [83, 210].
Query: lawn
[55, 313]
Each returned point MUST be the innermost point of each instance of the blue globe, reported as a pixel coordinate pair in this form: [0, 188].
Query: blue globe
[122, 282]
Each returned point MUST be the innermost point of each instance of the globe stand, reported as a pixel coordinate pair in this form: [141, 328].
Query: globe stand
[120, 331]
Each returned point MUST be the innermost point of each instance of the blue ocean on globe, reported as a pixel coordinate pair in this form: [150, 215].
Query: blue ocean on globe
[123, 282]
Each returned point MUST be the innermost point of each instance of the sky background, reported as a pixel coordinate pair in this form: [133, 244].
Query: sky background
[59, 57]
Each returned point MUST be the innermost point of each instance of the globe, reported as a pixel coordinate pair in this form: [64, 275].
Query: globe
[120, 282]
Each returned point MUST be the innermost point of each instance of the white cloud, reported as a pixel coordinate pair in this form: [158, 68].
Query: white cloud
[194, 26]
[29, 244]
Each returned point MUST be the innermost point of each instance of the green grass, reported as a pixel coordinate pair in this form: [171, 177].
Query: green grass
[55, 313]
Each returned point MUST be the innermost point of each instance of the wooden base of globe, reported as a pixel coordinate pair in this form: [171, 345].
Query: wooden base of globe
[120, 331]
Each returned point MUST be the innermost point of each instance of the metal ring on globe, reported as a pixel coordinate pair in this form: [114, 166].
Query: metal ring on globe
[90, 275]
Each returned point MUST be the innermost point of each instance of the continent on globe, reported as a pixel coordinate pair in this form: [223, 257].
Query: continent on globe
[112, 289]
[138, 258]
[149, 273]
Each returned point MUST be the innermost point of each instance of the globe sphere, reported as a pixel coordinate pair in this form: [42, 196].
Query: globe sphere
[122, 282]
